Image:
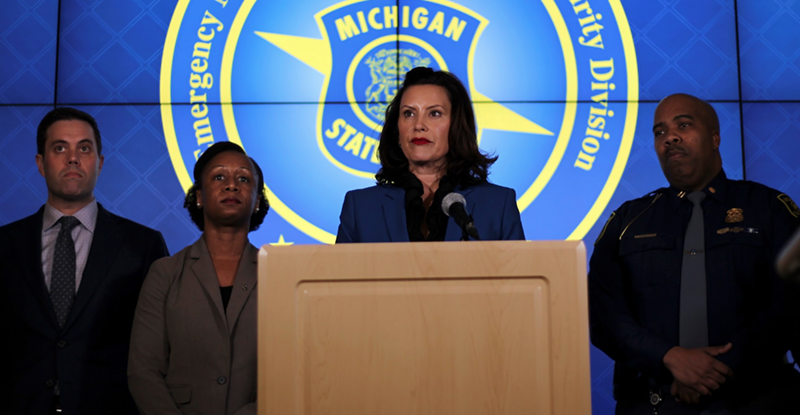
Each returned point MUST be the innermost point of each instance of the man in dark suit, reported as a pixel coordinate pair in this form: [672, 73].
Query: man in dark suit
[682, 286]
[70, 280]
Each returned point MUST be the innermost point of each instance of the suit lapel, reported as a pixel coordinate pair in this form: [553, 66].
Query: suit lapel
[106, 243]
[394, 214]
[30, 247]
[454, 231]
[206, 275]
[243, 286]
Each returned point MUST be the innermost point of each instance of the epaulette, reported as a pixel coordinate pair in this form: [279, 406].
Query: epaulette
[645, 201]
[656, 192]
[636, 204]
[647, 197]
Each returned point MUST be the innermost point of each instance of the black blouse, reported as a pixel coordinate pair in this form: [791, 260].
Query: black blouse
[415, 210]
[226, 296]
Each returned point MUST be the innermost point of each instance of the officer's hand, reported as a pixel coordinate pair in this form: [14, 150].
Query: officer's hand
[697, 368]
[684, 394]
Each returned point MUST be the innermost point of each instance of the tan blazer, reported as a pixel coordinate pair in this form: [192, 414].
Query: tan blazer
[187, 355]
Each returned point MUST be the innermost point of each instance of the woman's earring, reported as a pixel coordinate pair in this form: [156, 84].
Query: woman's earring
[199, 206]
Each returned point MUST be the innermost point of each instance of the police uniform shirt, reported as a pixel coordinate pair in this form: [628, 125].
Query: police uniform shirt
[635, 274]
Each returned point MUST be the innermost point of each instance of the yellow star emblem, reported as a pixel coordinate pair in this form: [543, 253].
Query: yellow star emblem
[281, 242]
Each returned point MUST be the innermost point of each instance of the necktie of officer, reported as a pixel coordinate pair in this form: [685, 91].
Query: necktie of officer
[693, 307]
[62, 281]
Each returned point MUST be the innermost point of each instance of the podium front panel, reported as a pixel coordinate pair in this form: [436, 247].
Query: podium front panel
[432, 328]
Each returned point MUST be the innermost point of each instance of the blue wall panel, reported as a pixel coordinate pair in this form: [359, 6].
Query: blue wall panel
[769, 49]
[772, 145]
[110, 51]
[28, 32]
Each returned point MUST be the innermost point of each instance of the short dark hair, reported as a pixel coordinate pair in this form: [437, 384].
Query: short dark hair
[465, 163]
[65, 114]
[190, 202]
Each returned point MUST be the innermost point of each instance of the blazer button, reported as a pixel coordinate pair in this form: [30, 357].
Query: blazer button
[62, 343]
[221, 380]
[49, 383]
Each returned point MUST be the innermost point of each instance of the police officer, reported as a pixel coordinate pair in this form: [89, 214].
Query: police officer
[683, 292]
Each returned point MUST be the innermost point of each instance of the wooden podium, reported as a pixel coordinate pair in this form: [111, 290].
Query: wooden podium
[440, 328]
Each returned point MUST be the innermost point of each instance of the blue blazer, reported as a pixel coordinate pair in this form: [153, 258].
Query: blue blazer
[378, 214]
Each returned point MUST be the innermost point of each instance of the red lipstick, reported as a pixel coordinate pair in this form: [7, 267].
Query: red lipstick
[420, 141]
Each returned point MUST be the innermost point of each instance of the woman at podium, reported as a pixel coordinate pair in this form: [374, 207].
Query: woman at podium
[193, 345]
[430, 160]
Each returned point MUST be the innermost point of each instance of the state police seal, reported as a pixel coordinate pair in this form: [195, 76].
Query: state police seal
[303, 87]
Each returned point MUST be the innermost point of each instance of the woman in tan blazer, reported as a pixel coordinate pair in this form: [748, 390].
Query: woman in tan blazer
[193, 345]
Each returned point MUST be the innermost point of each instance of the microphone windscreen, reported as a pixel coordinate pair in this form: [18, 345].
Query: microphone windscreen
[451, 198]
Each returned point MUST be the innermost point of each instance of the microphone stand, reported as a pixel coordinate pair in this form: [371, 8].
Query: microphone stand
[464, 234]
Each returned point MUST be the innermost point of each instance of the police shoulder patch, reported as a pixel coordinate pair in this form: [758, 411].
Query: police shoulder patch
[789, 203]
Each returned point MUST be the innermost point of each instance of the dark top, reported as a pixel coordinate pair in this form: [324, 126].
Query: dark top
[415, 210]
[635, 274]
[89, 355]
[226, 296]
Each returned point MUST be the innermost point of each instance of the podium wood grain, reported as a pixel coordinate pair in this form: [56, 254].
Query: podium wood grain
[424, 328]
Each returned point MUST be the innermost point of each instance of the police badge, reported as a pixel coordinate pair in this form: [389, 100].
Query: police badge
[734, 215]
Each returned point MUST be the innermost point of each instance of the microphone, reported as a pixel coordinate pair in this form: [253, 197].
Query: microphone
[454, 205]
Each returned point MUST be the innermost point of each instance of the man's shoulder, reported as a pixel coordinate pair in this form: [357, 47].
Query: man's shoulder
[635, 205]
[24, 224]
[631, 209]
[761, 196]
[749, 189]
[126, 224]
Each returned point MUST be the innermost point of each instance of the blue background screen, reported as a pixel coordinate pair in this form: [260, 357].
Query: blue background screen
[106, 57]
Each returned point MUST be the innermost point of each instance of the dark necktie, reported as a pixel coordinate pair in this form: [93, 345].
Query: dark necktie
[693, 307]
[62, 281]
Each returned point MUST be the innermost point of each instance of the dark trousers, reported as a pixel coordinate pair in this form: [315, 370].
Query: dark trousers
[782, 399]
[56, 408]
